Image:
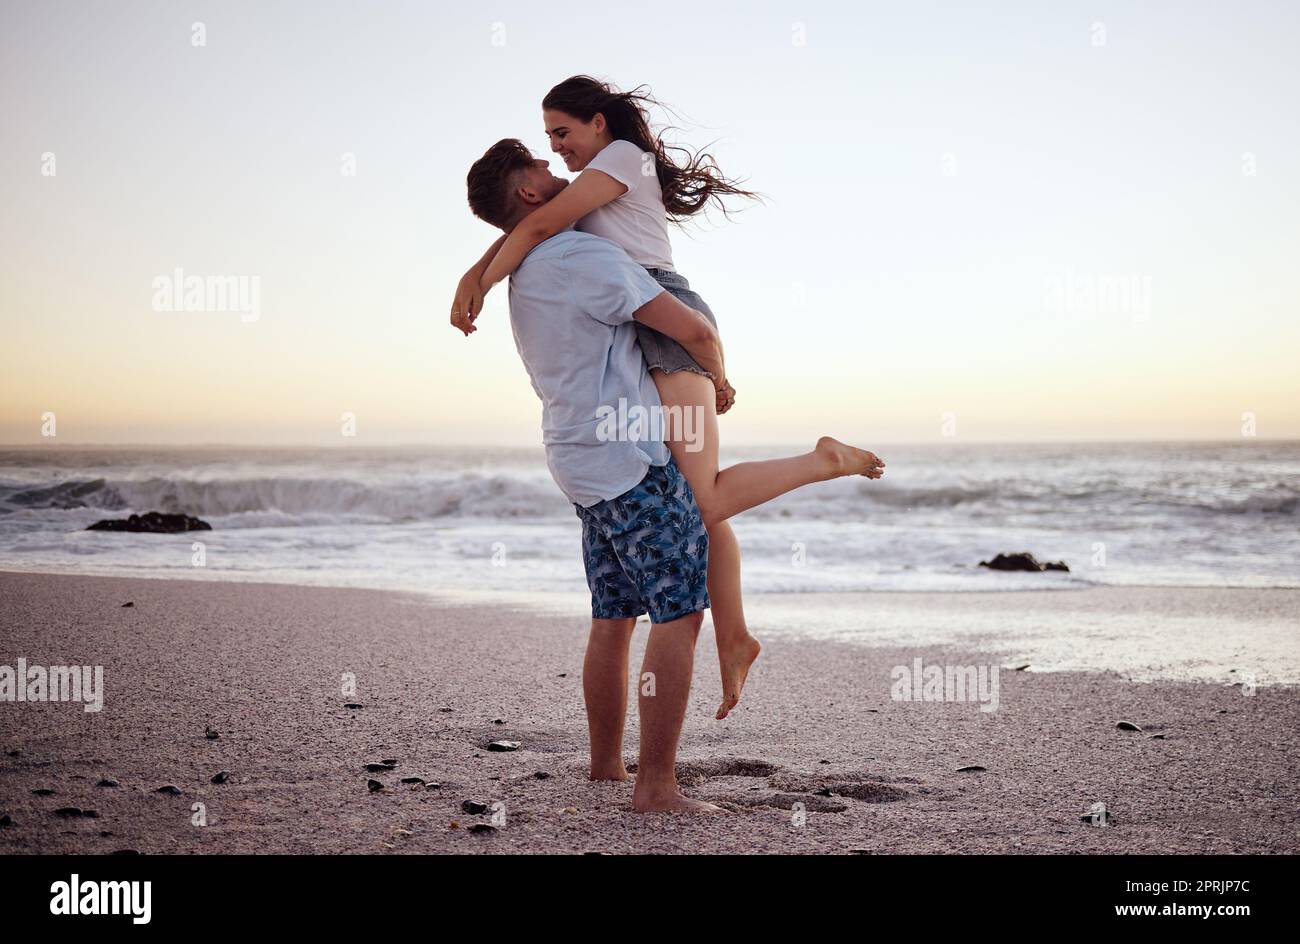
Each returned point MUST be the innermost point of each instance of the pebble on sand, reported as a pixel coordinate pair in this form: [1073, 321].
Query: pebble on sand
[1127, 726]
[107, 782]
[473, 807]
[221, 776]
[169, 788]
[374, 785]
[503, 746]
[971, 769]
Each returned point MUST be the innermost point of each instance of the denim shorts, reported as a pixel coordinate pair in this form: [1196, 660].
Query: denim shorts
[647, 550]
[662, 352]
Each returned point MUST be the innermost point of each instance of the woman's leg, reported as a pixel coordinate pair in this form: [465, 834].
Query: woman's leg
[694, 445]
[737, 488]
[721, 494]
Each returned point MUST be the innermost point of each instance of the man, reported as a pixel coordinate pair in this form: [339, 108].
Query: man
[573, 304]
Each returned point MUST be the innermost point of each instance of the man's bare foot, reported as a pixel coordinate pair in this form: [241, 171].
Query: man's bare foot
[841, 459]
[734, 660]
[673, 802]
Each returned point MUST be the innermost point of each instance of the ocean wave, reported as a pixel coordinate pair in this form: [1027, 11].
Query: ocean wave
[286, 500]
[278, 500]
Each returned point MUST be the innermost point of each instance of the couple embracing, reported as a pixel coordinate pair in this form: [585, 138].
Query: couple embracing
[606, 326]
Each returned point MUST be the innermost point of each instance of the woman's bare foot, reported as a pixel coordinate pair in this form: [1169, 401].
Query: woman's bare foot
[841, 459]
[734, 659]
[671, 802]
[609, 773]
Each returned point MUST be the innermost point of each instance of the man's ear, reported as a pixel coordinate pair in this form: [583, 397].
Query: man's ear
[528, 195]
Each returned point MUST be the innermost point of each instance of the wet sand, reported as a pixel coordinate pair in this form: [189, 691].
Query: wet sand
[818, 758]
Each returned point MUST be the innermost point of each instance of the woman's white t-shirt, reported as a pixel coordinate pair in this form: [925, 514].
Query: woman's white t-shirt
[637, 220]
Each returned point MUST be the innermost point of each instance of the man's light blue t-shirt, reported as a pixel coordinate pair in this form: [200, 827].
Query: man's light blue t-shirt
[571, 306]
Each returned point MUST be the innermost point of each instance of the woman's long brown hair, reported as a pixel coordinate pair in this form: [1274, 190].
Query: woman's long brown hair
[689, 180]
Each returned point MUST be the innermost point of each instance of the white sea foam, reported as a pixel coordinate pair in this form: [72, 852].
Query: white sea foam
[439, 518]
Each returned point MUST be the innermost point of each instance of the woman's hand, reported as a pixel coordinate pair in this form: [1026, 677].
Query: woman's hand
[726, 397]
[467, 304]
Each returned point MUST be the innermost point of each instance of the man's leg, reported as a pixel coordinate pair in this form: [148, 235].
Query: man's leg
[604, 689]
[662, 692]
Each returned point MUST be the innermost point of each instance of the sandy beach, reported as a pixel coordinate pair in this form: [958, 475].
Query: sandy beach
[818, 758]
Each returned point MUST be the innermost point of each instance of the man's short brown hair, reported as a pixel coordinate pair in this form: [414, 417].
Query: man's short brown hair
[491, 181]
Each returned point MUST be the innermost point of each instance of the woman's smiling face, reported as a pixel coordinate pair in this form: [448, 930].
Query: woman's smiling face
[575, 140]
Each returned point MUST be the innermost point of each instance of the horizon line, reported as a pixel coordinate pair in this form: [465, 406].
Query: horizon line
[410, 444]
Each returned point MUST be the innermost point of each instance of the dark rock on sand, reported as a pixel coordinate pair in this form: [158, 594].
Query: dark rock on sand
[1022, 561]
[128, 603]
[542, 775]
[412, 780]
[43, 792]
[108, 782]
[69, 811]
[380, 767]
[1127, 726]
[483, 828]
[374, 785]
[6, 820]
[211, 734]
[169, 788]
[221, 776]
[473, 807]
[503, 746]
[971, 769]
[152, 522]
[353, 705]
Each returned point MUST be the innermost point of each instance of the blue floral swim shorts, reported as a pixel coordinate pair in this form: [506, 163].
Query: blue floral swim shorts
[647, 550]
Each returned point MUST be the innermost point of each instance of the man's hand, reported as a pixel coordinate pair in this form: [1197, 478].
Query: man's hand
[726, 397]
[467, 304]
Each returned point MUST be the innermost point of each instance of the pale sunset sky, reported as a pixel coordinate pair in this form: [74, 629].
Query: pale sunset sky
[1053, 222]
